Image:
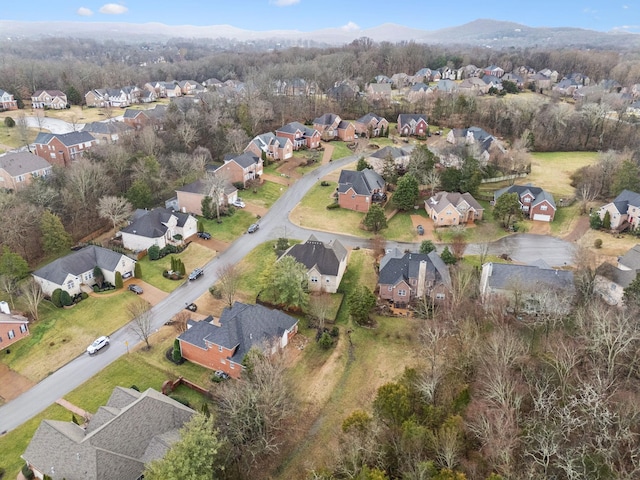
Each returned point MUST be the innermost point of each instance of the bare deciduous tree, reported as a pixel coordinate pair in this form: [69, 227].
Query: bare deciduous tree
[214, 184]
[114, 209]
[141, 324]
[320, 307]
[180, 321]
[33, 296]
[229, 276]
[9, 286]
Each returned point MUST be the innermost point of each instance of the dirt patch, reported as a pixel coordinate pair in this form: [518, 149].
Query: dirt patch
[12, 384]
[328, 153]
[580, 228]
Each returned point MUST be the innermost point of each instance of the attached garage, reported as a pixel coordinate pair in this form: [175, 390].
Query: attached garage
[542, 218]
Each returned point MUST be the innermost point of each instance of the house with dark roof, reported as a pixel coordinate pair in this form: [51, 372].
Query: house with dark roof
[241, 168]
[332, 127]
[63, 149]
[398, 155]
[72, 271]
[380, 92]
[107, 132]
[358, 190]
[190, 196]
[342, 92]
[453, 208]
[611, 280]
[528, 288]
[160, 227]
[405, 276]
[18, 169]
[131, 430]
[536, 203]
[300, 135]
[275, 148]
[412, 124]
[223, 345]
[484, 141]
[7, 102]
[371, 125]
[164, 89]
[190, 87]
[325, 263]
[13, 327]
[624, 211]
[54, 99]
[419, 92]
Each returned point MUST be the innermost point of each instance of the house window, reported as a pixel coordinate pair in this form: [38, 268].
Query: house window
[232, 365]
[88, 276]
[543, 208]
[220, 348]
[402, 293]
[0, 339]
[390, 287]
[23, 328]
[11, 334]
[328, 280]
[20, 178]
[353, 196]
[314, 279]
[70, 285]
[440, 296]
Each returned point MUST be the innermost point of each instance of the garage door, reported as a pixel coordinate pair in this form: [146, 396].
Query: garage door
[541, 217]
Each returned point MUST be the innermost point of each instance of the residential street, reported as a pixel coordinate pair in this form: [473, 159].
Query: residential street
[274, 224]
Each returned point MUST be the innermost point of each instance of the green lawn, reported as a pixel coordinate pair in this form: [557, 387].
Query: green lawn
[253, 264]
[400, 228]
[564, 218]
[552, 170]
[340, 150]
[231, 227]
[10, 136]
[265, 195]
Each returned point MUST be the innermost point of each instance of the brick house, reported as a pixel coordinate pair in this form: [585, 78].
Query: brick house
[7, 102]
[13, 327]
[139, 119]
[371, 125]
[54, 99]
[624, 210]
[159, 226]
[412, 124]
[223, 345]
[107, 132]
[190, 196]
[404, 277]
[300, 135]
[331, 126]
[536, 203]
[241, 168]
[164, 89]
[358, 190]
[190, 87]
[275, 148]
[63, 148]
[493, 70]
[378, 92]
[18, 169]
[71, 271]
[453, 208]
[325, 262]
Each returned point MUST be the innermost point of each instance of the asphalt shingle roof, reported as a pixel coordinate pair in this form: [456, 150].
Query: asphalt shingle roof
[67, 139]
[246, 159]
[503, 276]
[631, 259]
[539, 195]
[19, 163]
[152, 223]
[394, 152]
[364, 182]
[326, 258]
[395, 268]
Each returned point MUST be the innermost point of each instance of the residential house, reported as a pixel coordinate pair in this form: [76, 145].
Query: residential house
[72, 271]
[378, 92]
[331, 126]
[139, 119]
[107, 132]
[473, 85]
[164, 89]
[493, 70]
[446, 85]
[634, 109]
[190, 196]
[536, 203]
[7, 102]
[405, 276]
[325, 263]
[400, 80]
[13, 327]
[541, 81]
[63, 148]
[275, 148]
[566, 87]
[98, 97]
[453, 208]
[300, 135]
[159, 226]
[414, 124]
[18, 169]
[624, 211]
[514, 78]
[382, 79]
[611, 280]
[447, 73]
[294, 87]
[123, 436]
[482, 140]
[552, 74]
[147, 96]
[419, 92]
[190, 87]
[379, 158]
[241, 168]
[342, 92]
[371, 125]
[492, 82]
[528, 288]
[468, 71]
[421, 76]
[357, 190]
[54, 99]
[223, 345]
[113, 97]
[212, 83]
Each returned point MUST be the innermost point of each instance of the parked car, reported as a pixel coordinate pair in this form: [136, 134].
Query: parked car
[420, 229]
[238, 203]
[97, 344]
[137, 289]
[221, 375]
[204, 235]
[253, 228]
[197, 272]
[192, 307]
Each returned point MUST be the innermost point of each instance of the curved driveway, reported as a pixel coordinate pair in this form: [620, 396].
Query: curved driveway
[523, 248]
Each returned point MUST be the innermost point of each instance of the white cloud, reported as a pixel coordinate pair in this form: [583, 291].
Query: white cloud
[627, 28]
[284, 3]
[84, 12]
[113, 9]
[350, 27]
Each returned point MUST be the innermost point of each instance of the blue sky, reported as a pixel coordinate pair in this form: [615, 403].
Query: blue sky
[308, 15]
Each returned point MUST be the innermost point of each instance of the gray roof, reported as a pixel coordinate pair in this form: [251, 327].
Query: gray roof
[617, 275]
[327, 119]
[245, 159]
[368, 117]
[67, 139]
[631, 259]
[364, 182]
[626, 198]
[241, 327]
[106, 128]
[295, 126]
[152, 223]
[407, 118]
[393, 152]
[326, 258]
[504, 275]
[395, 268]
[133, 433]
[79, 262]
[19, 163]
[442, 199]
[539, 195]
[199, 186]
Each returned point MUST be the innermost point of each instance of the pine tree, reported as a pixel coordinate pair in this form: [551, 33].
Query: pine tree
[55, 239]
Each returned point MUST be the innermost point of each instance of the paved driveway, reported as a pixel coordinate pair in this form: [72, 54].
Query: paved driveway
[54, 125]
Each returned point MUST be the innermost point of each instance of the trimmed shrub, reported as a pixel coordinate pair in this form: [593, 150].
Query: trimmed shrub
[65, 298]
[119, 283]
[333, 206]
[27, 472]
[84, 295]
[335, 331]
[181, 400]
[137, 270]
[325, 342]
[215, 292]
[324, 183]
[597, 243]
[176, 355]
[55, 297]
[9, 122]
[153, 252]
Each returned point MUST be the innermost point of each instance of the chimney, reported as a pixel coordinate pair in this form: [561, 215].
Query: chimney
[4, 308]
[422, 278]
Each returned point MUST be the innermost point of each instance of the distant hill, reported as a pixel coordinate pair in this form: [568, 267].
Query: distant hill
[487, 33]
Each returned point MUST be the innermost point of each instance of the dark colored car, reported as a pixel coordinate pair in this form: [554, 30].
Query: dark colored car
[204, 235]
[420, 229]
[137, 289]
[197, 273]
[192, 307]
[253, 228]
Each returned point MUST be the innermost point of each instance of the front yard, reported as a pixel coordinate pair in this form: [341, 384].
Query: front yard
[264, 195]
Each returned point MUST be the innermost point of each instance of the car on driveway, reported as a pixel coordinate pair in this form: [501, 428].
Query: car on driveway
[97, 344]
[420, 229]
[137, 289]
[238, 203]
[197, 273]
[204, 235]
[253, 228]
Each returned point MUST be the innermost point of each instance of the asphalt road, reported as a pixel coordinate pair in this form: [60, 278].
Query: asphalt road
[274, 224]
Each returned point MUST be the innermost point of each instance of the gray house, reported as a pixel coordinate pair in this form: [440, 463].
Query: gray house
[131, 430]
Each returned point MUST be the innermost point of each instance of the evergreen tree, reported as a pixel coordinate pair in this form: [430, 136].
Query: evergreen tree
[375, 219]
[73, 96]
[119, 283]
[427, 247]
[507, 209]
[137, 270]
[407, 193]
[361, 301]
[140, 194]
[448, 257]
[362, 164]
[606, 220]
[12, 265]
[55, 239]
[208, 211]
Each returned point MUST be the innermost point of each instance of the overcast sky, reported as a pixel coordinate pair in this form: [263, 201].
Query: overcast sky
[308, 15]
